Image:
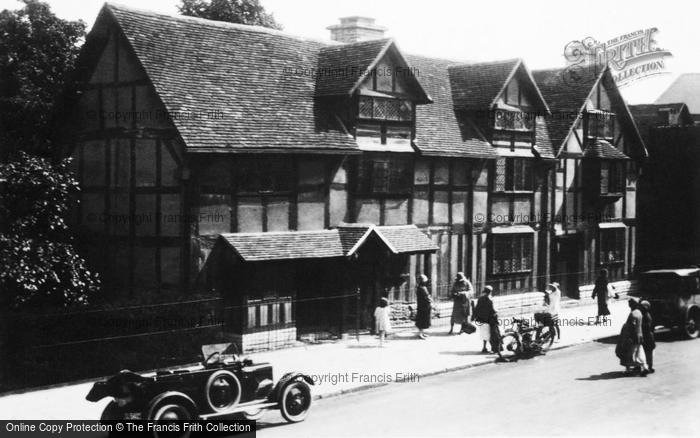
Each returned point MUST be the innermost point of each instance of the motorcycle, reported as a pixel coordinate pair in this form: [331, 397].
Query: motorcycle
[525, 340]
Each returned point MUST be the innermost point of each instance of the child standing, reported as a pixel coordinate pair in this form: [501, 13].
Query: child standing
[381, 320]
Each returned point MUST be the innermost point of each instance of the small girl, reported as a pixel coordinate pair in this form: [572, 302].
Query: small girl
[381, 320]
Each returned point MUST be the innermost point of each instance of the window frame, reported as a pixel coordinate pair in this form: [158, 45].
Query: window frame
[609, 117]
[405, 117]
[616, 177]
[398, 175]
[510, 167]
[614, 246]
[522, 243]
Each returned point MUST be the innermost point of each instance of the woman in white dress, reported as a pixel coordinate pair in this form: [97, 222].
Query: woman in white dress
[382, 320]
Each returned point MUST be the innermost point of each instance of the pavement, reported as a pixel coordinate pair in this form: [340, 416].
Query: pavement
[340, 367]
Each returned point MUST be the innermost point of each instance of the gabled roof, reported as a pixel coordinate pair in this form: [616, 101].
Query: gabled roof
[686, 88]
[254, 76]
[342, 68]
[477, 86]
[439, 130]
[602, 149]
[567, 90]
[399, 239]
[339, 242]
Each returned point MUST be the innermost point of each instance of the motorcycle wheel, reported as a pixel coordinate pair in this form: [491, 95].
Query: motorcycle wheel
[510, 346]
[546, 338]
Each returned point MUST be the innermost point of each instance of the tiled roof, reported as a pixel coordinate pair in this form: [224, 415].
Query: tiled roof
[341, 67]
[438, 130]
[339, 242]
[350, 235]
[258, 78]
[603, 149]
[285, 245]
[566, 92]
[686, 88]
[404, 239]
[476, 86]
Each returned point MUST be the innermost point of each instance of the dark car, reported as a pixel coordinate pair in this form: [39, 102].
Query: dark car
[674, 295]
[223, 385]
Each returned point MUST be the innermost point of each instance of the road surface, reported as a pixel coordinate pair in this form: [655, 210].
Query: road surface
[574, 391]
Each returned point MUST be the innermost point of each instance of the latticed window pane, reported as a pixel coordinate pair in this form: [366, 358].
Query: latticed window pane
[380, 108]
[392, 109]
[405, 110]
[366, 107]
[500, 182]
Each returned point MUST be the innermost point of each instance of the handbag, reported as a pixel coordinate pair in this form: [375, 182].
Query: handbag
[468, 327]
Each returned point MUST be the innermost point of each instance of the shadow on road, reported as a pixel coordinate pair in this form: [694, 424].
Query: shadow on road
[466, 353]
[607, 376]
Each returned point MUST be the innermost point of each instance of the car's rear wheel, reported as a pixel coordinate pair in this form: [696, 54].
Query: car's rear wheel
[112, 412]
[691, 328]
[295, 401]
[172, 411]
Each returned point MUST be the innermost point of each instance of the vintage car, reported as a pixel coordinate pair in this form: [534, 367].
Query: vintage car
[223, 385]
[674, 295]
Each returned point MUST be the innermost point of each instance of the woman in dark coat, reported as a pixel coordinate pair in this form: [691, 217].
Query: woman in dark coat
[462, 292]
[486, 320]
[648, 342]
[424, 304]
[600, 291]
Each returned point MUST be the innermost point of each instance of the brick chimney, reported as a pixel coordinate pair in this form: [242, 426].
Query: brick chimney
[353, 29]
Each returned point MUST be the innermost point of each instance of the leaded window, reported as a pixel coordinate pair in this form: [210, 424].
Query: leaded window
[612, 245]
[512, 253]
[513, 174]
[384, 175]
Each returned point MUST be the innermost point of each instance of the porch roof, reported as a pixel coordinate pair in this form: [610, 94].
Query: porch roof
[339, 242]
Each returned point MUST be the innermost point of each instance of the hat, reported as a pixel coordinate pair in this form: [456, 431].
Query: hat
[487, 289]
[646, 304]
[422, 278]
[460, 276]
[633, 302]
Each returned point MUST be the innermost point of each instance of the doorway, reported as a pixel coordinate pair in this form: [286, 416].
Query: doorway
[565, 269]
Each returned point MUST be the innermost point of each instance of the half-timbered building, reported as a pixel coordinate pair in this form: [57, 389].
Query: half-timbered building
[281, 172]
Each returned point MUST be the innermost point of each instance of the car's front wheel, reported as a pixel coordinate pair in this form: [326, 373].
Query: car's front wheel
[691, 328]
[295, 401]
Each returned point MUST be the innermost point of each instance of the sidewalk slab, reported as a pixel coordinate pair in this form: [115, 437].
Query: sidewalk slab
[343, 366]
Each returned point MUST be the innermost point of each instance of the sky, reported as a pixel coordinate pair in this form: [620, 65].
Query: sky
[535, 30]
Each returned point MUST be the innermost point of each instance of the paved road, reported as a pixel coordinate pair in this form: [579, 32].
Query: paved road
[576, 391]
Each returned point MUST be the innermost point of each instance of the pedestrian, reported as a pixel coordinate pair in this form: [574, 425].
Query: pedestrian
[600, 291]
[486, 319]
[462, 293]
[424, 306]
[552, 302]
[382, 321]
[649, 341]
[629, 347]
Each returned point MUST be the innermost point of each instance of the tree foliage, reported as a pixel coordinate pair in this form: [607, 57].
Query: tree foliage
[234, 11]
[37, 51]
[38, 264]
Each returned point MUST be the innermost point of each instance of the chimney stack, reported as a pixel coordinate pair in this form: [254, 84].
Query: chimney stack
[354, 29]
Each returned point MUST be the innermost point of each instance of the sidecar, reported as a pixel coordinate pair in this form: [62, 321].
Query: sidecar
[222, 385]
